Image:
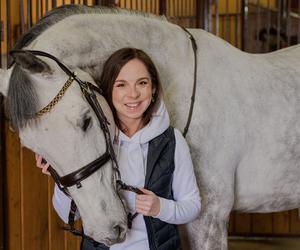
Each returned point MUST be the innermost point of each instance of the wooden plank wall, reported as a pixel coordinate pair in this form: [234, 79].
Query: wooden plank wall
[281, 224]
[29, 221]
[181, 12]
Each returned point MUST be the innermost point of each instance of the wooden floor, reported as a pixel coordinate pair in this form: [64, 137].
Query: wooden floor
[264, 244]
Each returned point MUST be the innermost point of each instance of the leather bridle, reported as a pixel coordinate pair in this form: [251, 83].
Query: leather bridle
[75, 178]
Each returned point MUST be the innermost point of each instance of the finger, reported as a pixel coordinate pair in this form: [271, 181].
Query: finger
[45, 169]
[39, 162]
[142, 197]
[146, 191]
[143, 204]
[143, 211]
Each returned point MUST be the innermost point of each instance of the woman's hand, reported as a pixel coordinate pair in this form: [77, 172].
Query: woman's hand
[148, 203]
[41, 163]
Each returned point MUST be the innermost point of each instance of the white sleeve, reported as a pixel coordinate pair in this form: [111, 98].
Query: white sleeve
[186, 204]
[61, 204]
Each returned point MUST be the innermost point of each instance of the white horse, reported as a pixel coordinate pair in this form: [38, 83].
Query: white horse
[244, 134]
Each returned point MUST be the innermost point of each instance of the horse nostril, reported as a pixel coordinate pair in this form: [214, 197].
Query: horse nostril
[117, 229]
[120, 230]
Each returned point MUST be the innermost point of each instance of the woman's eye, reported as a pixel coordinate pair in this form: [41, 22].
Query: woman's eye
[86, 123]
[119, 85]
[143, 82]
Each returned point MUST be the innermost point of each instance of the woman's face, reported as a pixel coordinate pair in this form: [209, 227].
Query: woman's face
[132, 92]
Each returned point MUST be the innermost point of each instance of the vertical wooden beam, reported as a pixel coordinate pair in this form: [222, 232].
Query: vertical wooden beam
[227, 26]
[279, 17]
[47, 5]
[21, 13]
[201, 14]
[8, 27]
[269, 26]
[53, 4]
[236, 25]
[294, 222]
[13, 190]
[258, 13]
[162, 7]
[242, 223]
[244, 27]
[288, 22]
[2, 167]
[281, 223]
[37, 10]
[262, 223]
[29, 14]
[217, 17]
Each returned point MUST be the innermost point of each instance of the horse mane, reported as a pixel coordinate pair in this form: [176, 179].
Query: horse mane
[62, 12]
[21, 101]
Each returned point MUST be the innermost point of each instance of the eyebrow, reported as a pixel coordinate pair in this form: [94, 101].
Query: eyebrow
[139, 79]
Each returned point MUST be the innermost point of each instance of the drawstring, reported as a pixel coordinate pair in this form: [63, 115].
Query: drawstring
[144, 159]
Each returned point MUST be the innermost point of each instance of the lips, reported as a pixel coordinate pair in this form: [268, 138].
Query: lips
[133, 105]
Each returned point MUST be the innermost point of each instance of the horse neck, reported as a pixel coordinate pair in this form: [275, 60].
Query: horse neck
[87, 40]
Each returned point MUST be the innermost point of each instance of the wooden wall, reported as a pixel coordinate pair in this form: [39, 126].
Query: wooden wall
[272, 224]
[182, 12]
[30, 220]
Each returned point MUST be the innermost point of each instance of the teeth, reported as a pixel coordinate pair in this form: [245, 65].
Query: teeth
[132, 105]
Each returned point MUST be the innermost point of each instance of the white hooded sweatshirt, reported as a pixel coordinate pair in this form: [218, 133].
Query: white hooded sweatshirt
[132, 158]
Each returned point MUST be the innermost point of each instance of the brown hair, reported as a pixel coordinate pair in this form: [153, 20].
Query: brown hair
[111, 70]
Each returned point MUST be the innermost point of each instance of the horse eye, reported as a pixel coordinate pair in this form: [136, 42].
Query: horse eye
[86, 123]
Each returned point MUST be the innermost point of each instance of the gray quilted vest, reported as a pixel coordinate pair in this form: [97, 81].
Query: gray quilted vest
[159, 176]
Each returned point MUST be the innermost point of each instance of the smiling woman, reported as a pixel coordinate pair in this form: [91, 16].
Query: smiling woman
[132, 94]
[130, 75]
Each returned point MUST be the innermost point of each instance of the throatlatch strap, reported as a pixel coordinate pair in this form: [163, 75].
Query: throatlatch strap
[72, 213]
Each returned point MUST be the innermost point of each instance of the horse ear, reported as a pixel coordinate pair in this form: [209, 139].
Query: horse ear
[3, 82]
[30, 62]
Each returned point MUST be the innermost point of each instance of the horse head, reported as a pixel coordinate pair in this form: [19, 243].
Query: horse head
[69, 137]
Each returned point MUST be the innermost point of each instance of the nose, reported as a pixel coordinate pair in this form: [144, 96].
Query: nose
[119, 232]
[134, 92]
